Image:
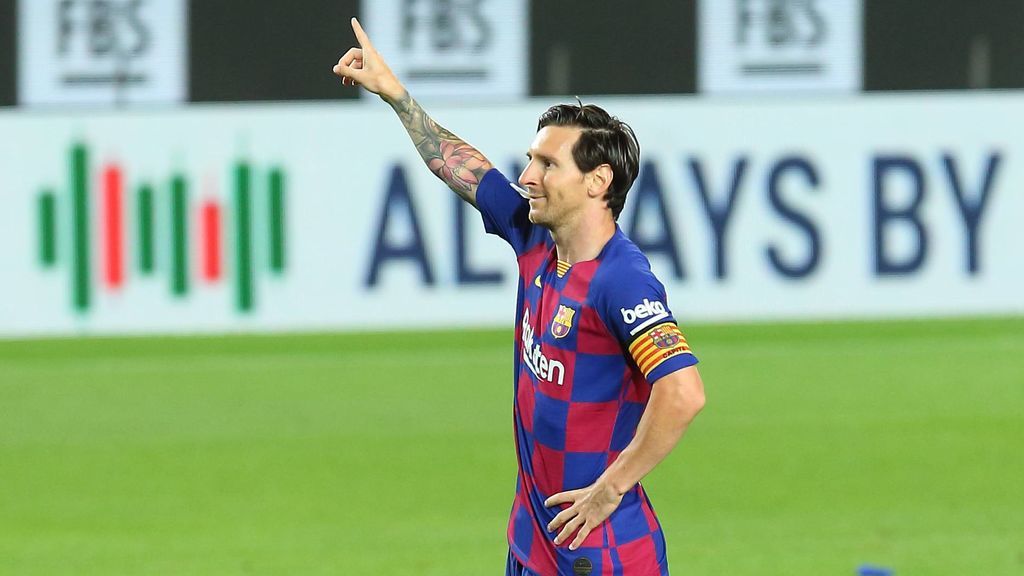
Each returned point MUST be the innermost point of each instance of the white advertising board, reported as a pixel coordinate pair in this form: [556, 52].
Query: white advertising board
[773, 46]
[102, 53]
[453, 48]
[322, 217]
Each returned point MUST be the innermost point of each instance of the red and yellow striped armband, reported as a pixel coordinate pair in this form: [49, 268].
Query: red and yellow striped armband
[657, 345]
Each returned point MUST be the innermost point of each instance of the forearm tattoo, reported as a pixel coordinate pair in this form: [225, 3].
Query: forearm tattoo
[456, 163]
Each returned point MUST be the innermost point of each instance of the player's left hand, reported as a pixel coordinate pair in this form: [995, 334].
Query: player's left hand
[590, 507]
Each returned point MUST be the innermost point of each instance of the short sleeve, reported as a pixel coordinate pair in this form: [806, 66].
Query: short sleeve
[505, 213]
[635, 309]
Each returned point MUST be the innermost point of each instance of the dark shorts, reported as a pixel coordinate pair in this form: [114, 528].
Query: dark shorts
[514, 568]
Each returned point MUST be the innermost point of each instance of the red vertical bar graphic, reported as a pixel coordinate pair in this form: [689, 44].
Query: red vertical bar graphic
[113, 227]
[211, 241]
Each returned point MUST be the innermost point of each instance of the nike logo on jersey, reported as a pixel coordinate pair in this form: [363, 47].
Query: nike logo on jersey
[536, 281]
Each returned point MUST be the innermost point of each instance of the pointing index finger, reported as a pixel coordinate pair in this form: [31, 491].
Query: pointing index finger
[364, 40]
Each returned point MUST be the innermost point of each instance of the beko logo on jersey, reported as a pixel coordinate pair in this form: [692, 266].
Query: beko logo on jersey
[645, 309]
[541, 366]
[649, 312]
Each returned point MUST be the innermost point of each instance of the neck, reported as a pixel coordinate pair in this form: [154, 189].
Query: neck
[583, 239]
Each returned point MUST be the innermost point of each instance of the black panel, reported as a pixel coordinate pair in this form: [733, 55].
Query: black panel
[8, 54]
[613, 47]
[928, 45]
[1006, 25]
[262, 50]
[272, 50]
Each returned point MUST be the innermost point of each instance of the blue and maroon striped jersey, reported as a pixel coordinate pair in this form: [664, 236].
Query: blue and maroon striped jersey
[591, 339]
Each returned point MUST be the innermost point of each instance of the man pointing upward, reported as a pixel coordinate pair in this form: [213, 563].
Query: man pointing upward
[604, 382]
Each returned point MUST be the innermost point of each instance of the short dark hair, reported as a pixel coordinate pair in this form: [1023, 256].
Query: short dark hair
[604, 140]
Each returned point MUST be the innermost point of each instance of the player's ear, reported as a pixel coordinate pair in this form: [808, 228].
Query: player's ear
[599, 179]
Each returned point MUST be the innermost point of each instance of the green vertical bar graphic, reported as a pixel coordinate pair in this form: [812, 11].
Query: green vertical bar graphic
[179, 237]
[243, 238]
[145, 221]
[80, 226]
[276, 220]
[47, 229]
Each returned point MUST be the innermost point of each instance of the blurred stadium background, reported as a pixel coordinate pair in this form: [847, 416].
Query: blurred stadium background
[244, 331]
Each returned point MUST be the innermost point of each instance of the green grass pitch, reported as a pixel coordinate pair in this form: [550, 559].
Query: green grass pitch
[822, 447]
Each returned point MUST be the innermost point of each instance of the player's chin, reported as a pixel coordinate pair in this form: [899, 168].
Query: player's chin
[536, 213]
[536, 216]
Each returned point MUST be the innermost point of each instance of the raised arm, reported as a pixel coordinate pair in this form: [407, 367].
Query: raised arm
[450, 158]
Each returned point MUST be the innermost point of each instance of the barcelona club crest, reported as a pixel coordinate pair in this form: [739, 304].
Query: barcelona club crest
[664, 339]
[562, 323]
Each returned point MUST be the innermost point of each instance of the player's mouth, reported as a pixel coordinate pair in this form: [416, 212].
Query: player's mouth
[526, 194]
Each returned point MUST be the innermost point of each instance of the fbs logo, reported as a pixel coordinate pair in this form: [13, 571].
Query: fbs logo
[155, 226]
[645, 309]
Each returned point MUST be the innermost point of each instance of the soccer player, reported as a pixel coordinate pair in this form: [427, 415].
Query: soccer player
[605, 384]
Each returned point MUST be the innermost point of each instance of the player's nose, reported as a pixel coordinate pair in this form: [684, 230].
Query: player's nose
[529, 178]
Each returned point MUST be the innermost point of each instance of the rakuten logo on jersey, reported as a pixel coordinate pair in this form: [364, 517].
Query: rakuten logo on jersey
[645, 309]
[541, 366]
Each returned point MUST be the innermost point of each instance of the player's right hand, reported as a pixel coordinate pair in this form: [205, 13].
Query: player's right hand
[364, 66]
